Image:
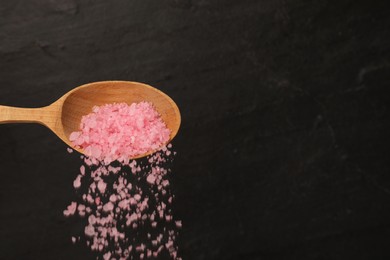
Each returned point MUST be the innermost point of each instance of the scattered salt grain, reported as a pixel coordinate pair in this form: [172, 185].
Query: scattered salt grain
[89, 231]
[137, 197]
[151, 179]
[77, 182]
[107, 256]
[112, 198]
[108, 207]
[71, 209]
[102, 186]
[178, 224]
[81, 207]
[82, 170]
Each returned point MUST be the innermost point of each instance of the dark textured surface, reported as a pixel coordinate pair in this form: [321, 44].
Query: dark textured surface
[283, 150]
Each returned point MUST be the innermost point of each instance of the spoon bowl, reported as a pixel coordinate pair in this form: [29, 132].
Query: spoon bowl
[64, 115]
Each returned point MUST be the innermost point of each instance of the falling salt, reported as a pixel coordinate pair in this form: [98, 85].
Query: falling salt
[77, 182]
[71, 209]
[127, 203]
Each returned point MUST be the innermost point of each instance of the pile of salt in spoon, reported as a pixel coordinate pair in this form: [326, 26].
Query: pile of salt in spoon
[126, 204]
[119, 131]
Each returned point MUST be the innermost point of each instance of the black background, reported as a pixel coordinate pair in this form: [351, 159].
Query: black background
[283, 149]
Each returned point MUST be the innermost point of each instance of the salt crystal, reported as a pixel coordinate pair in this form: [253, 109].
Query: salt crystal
[112, 198]
[137, 197]
[160, 249]
[102, 186]
[70, 210]
[89, 231]
[169, 244]
[81, 207]
[92, 187]
[140, 248]
[82, 170]
[133, 217]
[178, 223]
[151, 179]
[77, 182]
[74, 136]
[92, 219]
[90, 199]
[107, 256]
[88, 161]
[113, 169]
[123, 204]
[108, 207]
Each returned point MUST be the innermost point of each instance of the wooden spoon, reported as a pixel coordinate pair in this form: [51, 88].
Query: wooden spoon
[64, 115]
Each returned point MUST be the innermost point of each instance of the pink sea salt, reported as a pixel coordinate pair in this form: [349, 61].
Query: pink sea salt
[107, 256]
[124, 197]
[101, 186]
[108, 207]
[77, 182]
[71, 209]
[120, 131]
[113, 198]
[151, 179]
[82, 169]
[178, 224]
[89, 231]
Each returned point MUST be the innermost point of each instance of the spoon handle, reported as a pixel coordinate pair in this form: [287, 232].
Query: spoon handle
[21, 115]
